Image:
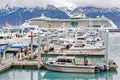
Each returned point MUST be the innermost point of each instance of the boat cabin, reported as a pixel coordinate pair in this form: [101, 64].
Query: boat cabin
[65, 59]
[4, 36]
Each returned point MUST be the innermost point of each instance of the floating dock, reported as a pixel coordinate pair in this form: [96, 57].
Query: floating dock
[4, 67]
[76, 54]
[25, 64]
[73, 53]
[12, 62]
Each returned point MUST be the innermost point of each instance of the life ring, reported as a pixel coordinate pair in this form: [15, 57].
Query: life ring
[36, 56]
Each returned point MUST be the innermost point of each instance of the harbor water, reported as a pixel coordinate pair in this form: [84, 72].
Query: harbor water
[34, 74]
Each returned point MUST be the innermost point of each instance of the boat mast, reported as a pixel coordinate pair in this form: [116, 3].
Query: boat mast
[107, 48]
[48, 40]
[31, 35]
[39, 50]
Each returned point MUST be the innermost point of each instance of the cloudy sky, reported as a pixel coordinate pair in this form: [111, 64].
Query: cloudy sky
[59, 3]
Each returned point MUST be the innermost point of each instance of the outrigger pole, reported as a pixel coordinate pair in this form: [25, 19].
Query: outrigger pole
[31, 36]
[39, 50]
[107, 48]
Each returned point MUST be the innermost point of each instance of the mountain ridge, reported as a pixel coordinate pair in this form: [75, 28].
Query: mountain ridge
[18, 15]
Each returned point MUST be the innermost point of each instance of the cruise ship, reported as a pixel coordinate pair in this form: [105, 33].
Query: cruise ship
[79, 21]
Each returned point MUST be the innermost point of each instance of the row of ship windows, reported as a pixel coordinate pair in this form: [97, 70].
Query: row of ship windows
[19, 42]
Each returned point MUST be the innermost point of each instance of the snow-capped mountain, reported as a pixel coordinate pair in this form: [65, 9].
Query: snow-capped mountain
[66, 10]
[18, 15]
[50, 7]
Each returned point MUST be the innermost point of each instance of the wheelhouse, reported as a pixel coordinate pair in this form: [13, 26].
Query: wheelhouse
[64, 59]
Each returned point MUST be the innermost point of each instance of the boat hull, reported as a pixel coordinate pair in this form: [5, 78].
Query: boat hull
[71, 68]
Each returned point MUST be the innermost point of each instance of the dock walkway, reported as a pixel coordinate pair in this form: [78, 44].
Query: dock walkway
[73, 53]
[5, 66]
[12, 61]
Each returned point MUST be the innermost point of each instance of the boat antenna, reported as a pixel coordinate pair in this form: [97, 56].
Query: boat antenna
[107, 47]
[39, 50]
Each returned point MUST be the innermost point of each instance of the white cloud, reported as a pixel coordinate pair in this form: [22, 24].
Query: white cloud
[59, 3]
[97, 3]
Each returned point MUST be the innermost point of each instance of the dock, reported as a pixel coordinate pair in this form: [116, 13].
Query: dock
[14, 63]
[4, 67]
[25, 64]
[73, 53]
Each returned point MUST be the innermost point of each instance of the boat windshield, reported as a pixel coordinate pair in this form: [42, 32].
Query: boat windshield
[65, 60]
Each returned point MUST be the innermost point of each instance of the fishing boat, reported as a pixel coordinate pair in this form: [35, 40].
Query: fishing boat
[74, 65]
[69, 64]
[15, 39]
[88, 40]
[18, 37]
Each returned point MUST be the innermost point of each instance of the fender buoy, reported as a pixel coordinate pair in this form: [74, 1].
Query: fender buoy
[112, 67]
[17, 57]
[85, 61]
[37, 56]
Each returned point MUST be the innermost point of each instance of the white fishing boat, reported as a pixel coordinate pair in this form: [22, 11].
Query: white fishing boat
[88, 40]
[16, 36]
[69, 64]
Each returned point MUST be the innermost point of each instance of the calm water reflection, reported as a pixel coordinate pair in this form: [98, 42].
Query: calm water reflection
[27, 74]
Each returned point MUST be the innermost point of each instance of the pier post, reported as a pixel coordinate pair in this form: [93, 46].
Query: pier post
[39, 50]
[3, 54]
[47, 41]
[57, 35]
[31, 35]
[107, 48]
